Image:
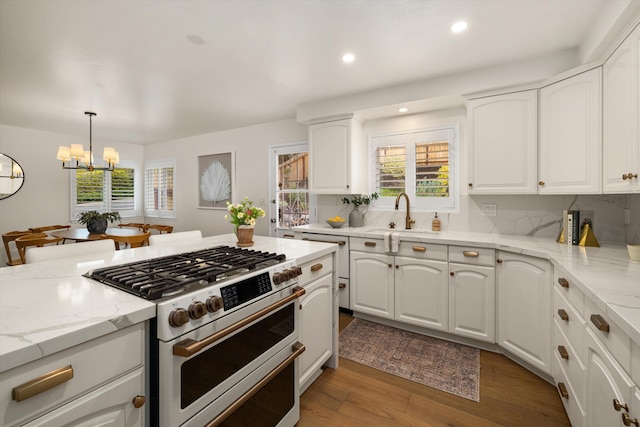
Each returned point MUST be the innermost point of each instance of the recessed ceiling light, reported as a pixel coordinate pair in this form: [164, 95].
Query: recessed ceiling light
[195, 39]
[348, 57]
[403, 110]
[459, 27]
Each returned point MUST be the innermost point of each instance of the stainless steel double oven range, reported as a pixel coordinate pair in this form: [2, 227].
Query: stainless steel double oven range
[224, 343]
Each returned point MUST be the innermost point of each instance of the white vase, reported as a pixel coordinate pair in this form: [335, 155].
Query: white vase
[356, 217]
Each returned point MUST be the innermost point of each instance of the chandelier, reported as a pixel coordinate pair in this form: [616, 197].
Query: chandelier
[76, 157]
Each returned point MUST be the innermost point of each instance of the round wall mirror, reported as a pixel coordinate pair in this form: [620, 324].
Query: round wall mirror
[11, 176]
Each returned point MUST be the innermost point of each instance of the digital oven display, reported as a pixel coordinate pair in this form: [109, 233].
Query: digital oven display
[246, 290]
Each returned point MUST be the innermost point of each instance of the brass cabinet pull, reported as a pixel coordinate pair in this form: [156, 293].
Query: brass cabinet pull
[289, 236]
[599, 323]
[470, 184]
[562, 388]
[42, 383]
[138, 401]
[499, 261]
[390, 265]
[563, 314]
[563, 352]
[342, 285]
[626, 420]
[617, 405]
[419, 249]
[630, 175]
[563, 282]
[316, 267]
[189, 347]
[452, 274]
[540, 182]
[339, 242]
[624, 176]
[471, 254]
[370, 244]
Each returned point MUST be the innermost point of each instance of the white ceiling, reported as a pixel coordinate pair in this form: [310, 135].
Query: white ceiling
[130, 60]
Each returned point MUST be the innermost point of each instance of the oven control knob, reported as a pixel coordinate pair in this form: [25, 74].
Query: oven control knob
[178, 317]
[279, 278]
[298, 270]
[197, 309]
[214, 303]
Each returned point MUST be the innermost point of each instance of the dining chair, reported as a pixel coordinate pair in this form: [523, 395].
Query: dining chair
[161, 229]
[181, 237]
[9, 237]
[47, 228]
[34, 239]
[140, 226]
[45, 253]
[132, 241]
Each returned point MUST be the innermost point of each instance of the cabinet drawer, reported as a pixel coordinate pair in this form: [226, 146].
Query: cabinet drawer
[343, 249]
[609, 334]
[570, 321]
[572, 366]
[114, 354]
[575, 411]
[343, 293]
[316, 269]
[372, 246]
[569, 290]
[475, 256]
[423, 250]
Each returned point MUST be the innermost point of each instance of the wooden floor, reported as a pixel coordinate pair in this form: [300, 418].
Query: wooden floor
[356, 395]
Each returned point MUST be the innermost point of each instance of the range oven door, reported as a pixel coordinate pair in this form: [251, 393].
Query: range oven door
[200, 373]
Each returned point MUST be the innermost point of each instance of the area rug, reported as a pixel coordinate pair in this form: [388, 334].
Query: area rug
[449, 367]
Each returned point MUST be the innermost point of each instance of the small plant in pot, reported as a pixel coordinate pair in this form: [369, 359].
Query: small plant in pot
[96, 222]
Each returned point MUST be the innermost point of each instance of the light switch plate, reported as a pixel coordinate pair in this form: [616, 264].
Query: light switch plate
[489, 210]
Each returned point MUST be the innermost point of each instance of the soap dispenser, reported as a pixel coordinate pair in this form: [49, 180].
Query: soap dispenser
[435, 224]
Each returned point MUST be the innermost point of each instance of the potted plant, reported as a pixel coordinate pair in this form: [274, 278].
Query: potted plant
[356, 217]
[96, 222]
[243, 216]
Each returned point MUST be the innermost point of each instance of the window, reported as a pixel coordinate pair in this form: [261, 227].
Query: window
[106, 191]
[421, 164]
[158, 189]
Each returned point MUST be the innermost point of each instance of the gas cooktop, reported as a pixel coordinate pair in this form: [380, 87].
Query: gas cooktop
[175, 274]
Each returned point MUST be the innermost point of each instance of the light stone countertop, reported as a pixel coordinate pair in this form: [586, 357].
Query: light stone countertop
[49, 306]
[605, 275]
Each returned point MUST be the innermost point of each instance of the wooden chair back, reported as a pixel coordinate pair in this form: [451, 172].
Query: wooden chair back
[132, 241]
[9, 237]
[140, 226]
[49, 228]
[166, 229]
[34, 239]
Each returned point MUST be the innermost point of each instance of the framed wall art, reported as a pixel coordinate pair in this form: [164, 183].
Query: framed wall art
[216, 180]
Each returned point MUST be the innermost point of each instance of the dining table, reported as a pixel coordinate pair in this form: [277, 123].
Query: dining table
[83, 235]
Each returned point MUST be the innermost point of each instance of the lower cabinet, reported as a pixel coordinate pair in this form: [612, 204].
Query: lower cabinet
[523, 286]
[372, 284]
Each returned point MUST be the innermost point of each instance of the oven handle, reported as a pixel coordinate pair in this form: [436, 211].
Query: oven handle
[189, 347]
[297, 349]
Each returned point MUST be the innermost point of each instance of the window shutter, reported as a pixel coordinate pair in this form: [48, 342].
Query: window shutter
[390, 170]
[158, 193]
[122, 190]
[432, 169]
[90, 192]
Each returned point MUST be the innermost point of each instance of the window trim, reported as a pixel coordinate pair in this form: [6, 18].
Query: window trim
[160, 213]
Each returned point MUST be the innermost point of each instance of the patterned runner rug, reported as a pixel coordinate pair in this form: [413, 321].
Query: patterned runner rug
[449, 367]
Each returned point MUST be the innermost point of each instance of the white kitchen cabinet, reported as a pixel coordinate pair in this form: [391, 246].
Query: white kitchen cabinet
[523, 286]
[621, 117]
[338, 160]
[570, 142]
[372, 283]
[472, 301]
[503, 138]
[111, 405]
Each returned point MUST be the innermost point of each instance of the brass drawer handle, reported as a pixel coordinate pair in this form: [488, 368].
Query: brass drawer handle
[563, 352]
[541, 183]
[339, 242]
[563, 282]
[472, 254]
[316, 267]
[562, 388]
[138, 401]
[617, 405]
[289, 236]
[342, 285]
[626, 420]
[498, 261]
[419, 249]
[42, 384]
[599, 323]
[370, 244]
[563, 315]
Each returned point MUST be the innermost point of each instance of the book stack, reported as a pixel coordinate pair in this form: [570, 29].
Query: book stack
[572, 228]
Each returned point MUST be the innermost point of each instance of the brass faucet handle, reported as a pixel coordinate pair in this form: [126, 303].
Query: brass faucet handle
[392, 224]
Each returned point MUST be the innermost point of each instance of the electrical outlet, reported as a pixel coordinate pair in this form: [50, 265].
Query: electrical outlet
[627, 216]
[489, 210]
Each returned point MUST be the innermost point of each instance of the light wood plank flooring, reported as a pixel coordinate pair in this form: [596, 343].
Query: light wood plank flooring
[355, 395]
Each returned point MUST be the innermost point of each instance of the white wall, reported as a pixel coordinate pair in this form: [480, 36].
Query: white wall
[251, 175]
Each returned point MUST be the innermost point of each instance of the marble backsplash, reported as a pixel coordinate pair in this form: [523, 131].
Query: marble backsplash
[533, 215]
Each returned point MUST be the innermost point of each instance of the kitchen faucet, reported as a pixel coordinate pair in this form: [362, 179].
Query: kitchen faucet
[408, 220]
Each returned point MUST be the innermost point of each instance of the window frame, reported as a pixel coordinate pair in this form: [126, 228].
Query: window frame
[160, 164]
[409, 138]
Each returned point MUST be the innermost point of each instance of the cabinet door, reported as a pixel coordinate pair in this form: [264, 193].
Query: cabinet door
[524, 308]
[502, 153]
[570, 135]
[421, 296]
[111, 405]
[472, 301]
[606, 381]
[316, 326]
[621, 117]
[371, 284]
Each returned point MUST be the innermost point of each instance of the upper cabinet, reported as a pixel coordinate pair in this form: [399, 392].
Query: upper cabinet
[503, 143]
[621, 110]
[570, 142]
[337, 158]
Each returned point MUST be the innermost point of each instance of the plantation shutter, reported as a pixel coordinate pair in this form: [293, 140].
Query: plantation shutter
[158, 193]
[122, 190]
[432, 163]
[391, 164]
[90, 192]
